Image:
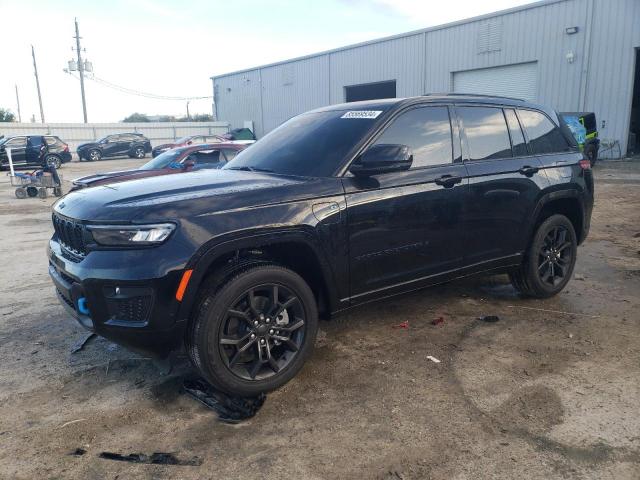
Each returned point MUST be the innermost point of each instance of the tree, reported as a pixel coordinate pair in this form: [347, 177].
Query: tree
[202, 117]
[136, 117]
[6, 115]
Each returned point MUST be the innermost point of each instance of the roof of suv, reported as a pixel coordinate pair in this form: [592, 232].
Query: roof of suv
[388, 103]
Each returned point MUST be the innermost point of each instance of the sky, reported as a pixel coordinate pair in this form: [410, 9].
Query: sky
[173, 48]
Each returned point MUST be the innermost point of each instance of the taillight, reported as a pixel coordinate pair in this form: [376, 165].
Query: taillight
[585, 164]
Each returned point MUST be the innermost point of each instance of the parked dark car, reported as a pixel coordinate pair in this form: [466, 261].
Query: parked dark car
[33, 151]
[135, 145]
[336, 207]
[178, 160]
[185, 142]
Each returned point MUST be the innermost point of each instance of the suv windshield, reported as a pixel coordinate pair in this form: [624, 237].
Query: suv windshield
[312, 144]
[163, 160]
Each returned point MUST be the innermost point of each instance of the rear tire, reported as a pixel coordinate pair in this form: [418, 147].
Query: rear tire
[53, 160]
[549, 262]
[42, 192]
[21, 193]
[138, 152]
[243, 341]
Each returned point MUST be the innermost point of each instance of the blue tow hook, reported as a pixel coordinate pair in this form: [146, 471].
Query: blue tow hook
[82, 306]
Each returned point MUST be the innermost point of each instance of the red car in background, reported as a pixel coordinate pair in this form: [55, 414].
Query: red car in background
[237, 135]
[177, 160]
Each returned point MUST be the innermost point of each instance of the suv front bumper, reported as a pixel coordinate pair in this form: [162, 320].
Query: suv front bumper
[140, 314]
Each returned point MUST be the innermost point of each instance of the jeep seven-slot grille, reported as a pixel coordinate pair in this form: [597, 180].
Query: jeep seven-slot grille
[70, 234]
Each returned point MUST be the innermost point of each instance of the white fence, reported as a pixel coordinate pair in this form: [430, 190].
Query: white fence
[76, 133]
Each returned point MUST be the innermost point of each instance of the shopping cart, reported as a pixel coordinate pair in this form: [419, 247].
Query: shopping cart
[36, 184]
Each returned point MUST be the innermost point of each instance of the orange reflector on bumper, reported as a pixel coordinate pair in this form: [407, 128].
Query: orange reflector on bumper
[186, 276]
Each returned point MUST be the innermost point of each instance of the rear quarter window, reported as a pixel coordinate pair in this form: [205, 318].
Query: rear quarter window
[544, 136]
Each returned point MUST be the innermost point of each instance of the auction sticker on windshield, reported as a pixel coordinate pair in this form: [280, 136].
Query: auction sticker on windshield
[362, 114]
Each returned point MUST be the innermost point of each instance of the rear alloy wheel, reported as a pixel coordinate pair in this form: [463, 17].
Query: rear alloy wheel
[95, 155]
[549, 264]
[254, 333]
[138, 152]
[53, 161]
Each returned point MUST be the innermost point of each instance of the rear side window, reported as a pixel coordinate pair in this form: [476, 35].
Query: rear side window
[517, 139]
[486, 132]
[544, 136]
[51, 140]
[427, 131]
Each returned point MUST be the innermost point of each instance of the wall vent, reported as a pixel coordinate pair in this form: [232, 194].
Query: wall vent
[490, 36]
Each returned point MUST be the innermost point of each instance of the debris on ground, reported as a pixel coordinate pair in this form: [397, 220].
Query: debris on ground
[230, 409]
[433, 359]
[80, 344]
[404, 325]
[437, 321]
[157, 458]
[489, 318]
[579, 276]
[78, 452]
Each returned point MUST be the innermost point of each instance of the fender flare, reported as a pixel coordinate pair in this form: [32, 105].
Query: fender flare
[547, 198]
[206, 255]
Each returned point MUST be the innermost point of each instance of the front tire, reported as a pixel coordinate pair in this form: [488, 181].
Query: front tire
[139, 152]
[253, 331]
[94, 155]
[548, 265]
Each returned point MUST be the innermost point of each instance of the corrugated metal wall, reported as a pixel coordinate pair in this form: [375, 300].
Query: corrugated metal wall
[76, 133]
[600, 77]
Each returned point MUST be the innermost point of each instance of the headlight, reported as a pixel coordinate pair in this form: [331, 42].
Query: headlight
[131, 235]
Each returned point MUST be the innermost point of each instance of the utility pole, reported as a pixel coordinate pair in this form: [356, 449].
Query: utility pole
[188, 116]
[35, 71]
[18, 102]
[81, 71]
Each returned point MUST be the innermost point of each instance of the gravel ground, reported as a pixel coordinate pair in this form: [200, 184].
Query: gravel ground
[552, 390]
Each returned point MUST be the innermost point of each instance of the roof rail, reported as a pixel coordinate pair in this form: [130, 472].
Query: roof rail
[454, 94]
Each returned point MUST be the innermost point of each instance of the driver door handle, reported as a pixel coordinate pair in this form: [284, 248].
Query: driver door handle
[528, 171]
[448, 181]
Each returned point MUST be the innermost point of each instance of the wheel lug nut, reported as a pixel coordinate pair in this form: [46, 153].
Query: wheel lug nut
[271, 332]
[253, 335]
[268, 320]
[262, 341]
[261, 316]
[255, 322]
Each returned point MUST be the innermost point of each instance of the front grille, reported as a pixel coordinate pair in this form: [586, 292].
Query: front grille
[72, 235]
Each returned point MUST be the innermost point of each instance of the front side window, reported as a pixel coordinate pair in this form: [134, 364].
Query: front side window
[486, 132]
[544, 136]
[314, 144]
[427, 131]
[17, 142]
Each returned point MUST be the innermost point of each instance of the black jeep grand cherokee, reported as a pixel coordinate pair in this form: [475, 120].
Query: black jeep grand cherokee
[336, 207]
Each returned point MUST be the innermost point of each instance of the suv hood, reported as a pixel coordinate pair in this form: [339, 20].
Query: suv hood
[177, 197]
[89, 179]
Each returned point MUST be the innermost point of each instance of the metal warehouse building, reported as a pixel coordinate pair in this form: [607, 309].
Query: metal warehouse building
[575, 55]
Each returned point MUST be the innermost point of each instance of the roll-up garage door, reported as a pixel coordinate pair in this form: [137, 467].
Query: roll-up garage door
[519, 81]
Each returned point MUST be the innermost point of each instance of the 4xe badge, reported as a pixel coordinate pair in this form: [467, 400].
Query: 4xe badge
[362, 114]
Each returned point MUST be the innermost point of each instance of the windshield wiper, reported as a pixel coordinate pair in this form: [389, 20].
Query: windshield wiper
[251, 169]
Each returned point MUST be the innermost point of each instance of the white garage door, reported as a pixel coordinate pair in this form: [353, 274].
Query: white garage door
[519, 81]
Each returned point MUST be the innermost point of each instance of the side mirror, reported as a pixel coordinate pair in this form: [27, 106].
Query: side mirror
[382, 158]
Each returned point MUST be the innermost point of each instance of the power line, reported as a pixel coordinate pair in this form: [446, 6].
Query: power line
[138, 93]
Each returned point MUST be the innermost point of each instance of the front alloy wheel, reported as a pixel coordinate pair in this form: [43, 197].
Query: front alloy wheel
[139, 152]
[253, 329]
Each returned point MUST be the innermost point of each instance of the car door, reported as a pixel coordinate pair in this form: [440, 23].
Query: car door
[405, 228]
[35, 151]
[504, 183]
[111, 146]
[18, 146]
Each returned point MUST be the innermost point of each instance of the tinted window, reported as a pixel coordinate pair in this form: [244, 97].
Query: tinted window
[544, 136]
[427, 131]
[313, 144]
[35, 141]
[51, 140]
[164, 159]
[16, 142]
[230, 154]
[486, 132]
[517, 139]
[206, 157]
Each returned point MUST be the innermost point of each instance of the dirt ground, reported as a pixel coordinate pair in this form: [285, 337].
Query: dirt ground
[552, 390]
